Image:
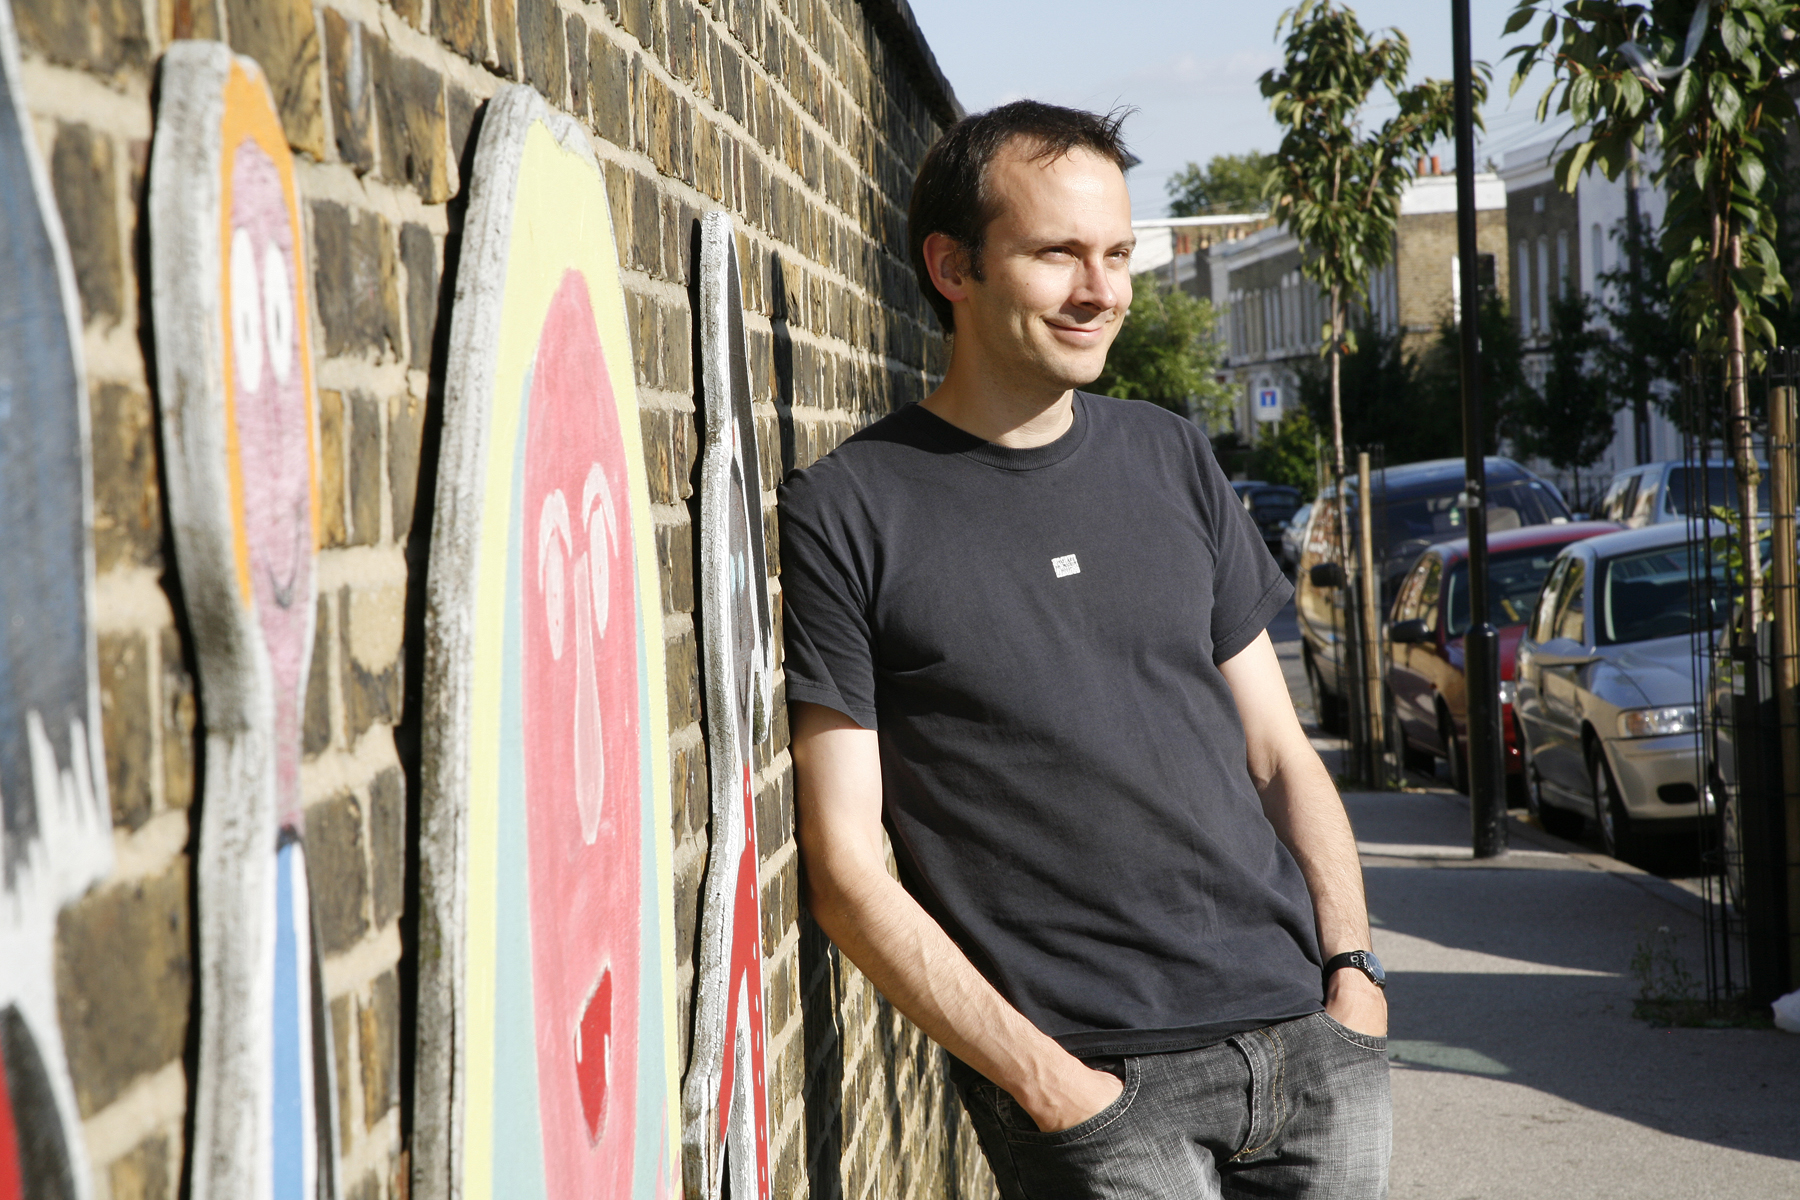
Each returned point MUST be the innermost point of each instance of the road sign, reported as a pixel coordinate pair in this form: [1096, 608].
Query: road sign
[1268, 404]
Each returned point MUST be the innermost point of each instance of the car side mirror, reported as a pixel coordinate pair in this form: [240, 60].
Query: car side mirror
[1327, 575]
[1411, 631]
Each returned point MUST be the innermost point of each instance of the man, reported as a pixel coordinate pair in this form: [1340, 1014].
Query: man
[1025, 629]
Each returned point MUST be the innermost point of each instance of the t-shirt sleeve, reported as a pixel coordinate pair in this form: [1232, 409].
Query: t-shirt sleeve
[829, 654]
[1248, 585]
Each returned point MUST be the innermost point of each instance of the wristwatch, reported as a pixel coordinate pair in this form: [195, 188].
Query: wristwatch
[1361, 960]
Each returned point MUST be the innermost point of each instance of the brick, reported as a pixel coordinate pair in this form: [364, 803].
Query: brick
[124, 975]
[81, 174]
[282, 35]
[412, 11]
[415, 135]
[365, 469]
[372, 621]
[406, 436]
[578, 67]
[505, 56]
[387, 846]
[353, 281]
[683, 682]
[675, 558]
[187, 19]
[126, 719]
[609, 89]
[366, 1188]
[418, 254]
[460, 113]
[128, 525]
[180, 720]
[336, 872]
[334, 519]
[542, 43]
[350, 86]
[315, 728]
[343, 1035]
[379, 1033]
[462, 26]
[102, 35]
[145, 1172]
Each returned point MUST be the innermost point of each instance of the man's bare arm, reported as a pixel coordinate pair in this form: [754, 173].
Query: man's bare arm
[896, 943]
[1308, 815]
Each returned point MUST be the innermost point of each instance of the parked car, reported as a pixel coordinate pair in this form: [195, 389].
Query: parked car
[1606, 685]
[1416, 506]
[1426, 690]
[1272, 506]
[1294, 536]
[1660, 492]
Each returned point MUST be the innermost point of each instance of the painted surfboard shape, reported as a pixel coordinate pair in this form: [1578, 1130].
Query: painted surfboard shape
[725, 1102]
[234, 369]
[546, 1053]
[55, 818]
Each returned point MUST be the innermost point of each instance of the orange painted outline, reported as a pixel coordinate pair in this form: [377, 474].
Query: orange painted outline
[249, 115]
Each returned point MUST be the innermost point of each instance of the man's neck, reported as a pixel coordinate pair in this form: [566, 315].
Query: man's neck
[1007, 412]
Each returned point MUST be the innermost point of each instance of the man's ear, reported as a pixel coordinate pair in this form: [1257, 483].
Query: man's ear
[948, 261]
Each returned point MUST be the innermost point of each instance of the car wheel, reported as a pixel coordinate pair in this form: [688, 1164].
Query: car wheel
[1327, 708]
[1454, 752]
[1610, 817]
[1558, 822]
[1411, 757]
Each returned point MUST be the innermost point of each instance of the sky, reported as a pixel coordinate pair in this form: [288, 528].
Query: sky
[1190, 69]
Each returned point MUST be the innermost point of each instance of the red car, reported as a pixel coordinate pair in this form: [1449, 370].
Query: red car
[1426, 694]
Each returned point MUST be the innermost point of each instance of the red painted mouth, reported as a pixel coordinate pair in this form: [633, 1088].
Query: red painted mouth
[593, 1055]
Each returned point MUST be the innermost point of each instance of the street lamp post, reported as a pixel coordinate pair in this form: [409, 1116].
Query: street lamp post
[1481, 646]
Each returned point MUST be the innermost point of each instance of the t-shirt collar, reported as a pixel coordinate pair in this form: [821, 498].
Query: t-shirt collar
[1007, 458]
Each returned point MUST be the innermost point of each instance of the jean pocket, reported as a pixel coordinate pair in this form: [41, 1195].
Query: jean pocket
[1024, 1131]
[1367, 1041]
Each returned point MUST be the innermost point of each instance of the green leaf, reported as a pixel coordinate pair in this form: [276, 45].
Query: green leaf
[1687, 90]
[1736, 34]
[1568, 169]
[1549, 31]
[1521, 15]
[1727, 105]
[1581, 98]
[1752, 172]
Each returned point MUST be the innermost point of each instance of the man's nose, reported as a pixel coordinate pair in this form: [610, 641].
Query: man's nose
[1094, 289]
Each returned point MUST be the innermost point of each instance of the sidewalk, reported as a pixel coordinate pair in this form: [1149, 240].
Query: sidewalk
[1519, 1070]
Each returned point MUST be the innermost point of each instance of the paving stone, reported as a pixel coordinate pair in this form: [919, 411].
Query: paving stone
[124, 974]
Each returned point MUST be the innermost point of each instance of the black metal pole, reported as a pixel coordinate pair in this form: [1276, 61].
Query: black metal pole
[1481, 646]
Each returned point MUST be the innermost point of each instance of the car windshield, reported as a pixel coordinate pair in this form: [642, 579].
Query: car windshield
[1417, 522]
[1660, 593]
[1513, 582]
[1684, 498]
[1275, 504]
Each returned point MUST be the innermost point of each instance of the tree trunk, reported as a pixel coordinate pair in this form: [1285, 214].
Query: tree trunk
[1743, 446]
[1335, 354]
[1634, 226]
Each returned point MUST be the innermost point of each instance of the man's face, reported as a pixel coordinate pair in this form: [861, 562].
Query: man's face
[1057, 267]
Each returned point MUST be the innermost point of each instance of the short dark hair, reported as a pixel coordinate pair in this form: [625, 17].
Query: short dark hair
[950, 193]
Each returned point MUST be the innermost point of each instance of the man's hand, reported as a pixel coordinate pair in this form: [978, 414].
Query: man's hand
[1080, 1094]
[1356, 1003]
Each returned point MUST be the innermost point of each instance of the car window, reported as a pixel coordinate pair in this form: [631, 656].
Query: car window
[1619, 504]
[1643, 500]
[1683, 497]
[1571, 603]
[1428, 591]
[1406, 605]
[1541, 618]
[1660, 593]
[1514, 579]
[1416, 522]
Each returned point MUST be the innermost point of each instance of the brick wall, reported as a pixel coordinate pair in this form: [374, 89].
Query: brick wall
[1425, 248]
[805, 118]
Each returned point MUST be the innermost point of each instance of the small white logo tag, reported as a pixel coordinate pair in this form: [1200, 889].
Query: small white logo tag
[1065, 565]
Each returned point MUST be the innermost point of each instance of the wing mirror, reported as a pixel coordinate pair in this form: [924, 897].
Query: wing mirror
[1327, 575]
[1411, 632]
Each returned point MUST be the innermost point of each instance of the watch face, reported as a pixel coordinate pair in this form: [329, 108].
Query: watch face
[1373, 965]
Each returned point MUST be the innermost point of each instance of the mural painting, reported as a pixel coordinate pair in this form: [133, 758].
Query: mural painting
[234, 369]
[55, 819]
[725, 1099]
[546, 1055]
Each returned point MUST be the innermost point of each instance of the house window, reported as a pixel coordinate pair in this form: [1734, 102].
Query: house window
[1522, 289]
[1543, 283]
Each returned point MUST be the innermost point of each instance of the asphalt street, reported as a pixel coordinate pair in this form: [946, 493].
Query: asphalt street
[1518, 1067]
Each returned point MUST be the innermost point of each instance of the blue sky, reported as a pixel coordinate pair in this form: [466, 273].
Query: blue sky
[1189, 68]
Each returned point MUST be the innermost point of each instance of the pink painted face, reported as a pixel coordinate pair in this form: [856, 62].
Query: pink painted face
[274, 425]
[583, 766]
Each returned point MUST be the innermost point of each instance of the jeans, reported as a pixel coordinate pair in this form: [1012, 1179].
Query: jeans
[1296, 1109]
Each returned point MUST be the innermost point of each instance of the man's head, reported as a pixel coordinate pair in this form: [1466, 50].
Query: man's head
[1020, 235]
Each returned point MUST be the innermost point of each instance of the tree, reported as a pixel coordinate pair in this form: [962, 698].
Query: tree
[1168, 351]
[1287, 451]
[1336, 189]
[1229, 183]
[1569, 421]
[1645, 346]
[1714, 110]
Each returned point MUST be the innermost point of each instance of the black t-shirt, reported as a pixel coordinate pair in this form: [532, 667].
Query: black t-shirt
[1036, 635]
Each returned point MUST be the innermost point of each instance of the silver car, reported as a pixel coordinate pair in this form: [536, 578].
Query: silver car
[1606, 684]
[1662, 492]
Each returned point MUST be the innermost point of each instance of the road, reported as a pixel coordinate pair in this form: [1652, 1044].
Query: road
[1519, 1069]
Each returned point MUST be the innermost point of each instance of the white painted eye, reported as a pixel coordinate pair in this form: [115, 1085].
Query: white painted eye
[603, 539]
[554, 544]
[246, 313]
[278, 311]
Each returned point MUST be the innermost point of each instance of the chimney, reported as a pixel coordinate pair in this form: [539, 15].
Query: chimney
[1422, 165]
[1435, 168]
